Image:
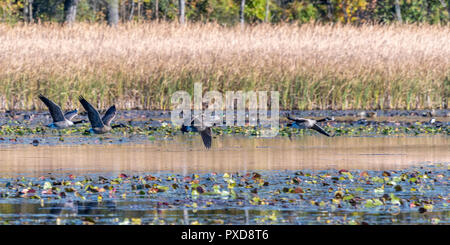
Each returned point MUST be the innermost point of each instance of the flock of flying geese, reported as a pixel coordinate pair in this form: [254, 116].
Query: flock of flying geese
[101, 125]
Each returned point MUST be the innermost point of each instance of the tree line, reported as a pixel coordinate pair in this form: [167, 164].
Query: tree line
[227, 12]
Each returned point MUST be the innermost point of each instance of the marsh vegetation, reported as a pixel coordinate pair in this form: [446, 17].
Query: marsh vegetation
[138, 66]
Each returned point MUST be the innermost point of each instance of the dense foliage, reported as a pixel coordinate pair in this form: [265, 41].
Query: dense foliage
[227, 11]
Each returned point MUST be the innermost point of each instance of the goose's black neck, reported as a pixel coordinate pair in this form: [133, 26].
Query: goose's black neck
[118, 126]
[324, 119]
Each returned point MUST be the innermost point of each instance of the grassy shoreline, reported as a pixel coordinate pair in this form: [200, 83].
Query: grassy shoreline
[138, 66]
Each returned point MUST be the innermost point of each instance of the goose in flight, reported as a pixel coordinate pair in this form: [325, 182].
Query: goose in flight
[205, 132]
[99, 125]
[60, 120]
[311, 123]
[204, 129]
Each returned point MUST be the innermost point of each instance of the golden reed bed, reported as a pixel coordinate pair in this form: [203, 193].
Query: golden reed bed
[141, 65]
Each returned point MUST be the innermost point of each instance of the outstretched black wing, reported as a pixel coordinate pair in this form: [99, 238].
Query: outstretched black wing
[93, 115]
[109, 115]
[55, 110]
[320, 130]
[206, 137]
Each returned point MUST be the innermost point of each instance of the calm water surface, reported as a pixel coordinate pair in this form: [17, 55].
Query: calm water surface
[278, 160]
[187, 155]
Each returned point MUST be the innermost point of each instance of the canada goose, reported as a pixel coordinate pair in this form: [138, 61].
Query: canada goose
[435, 123]
[311, 123]
[369, 114]
[99, 125]
[431, 113]
[18, 116]
[60, 120]
[205, 132]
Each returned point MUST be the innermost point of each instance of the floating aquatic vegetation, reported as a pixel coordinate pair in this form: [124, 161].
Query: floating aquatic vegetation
[410, 196]
[341, 129]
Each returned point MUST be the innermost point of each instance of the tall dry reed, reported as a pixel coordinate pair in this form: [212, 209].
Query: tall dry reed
[141, 65]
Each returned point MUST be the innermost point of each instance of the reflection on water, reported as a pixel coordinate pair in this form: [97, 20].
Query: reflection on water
[148, 213]
[315, 197]
[186, 154]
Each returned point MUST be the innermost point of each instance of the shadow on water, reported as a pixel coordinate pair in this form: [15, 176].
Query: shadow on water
[186, 154]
